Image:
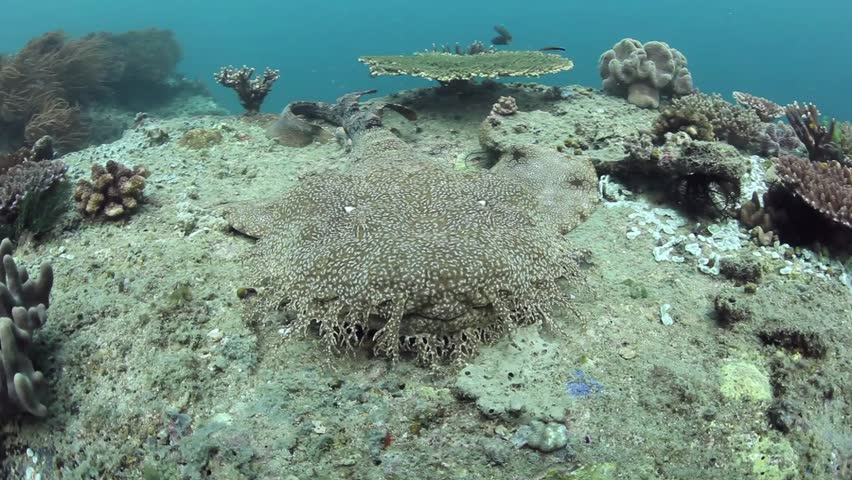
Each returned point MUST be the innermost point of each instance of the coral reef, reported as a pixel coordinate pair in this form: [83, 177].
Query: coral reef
[702, 177]
[710, 117]
[251, 91]
[114, 192]
[826, 187]
[445, 67]
[23, 309]
[766, 109]
[29, 181]
[348, 250]
[644, 73]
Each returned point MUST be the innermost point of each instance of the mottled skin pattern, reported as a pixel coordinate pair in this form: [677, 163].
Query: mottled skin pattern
[421, 257]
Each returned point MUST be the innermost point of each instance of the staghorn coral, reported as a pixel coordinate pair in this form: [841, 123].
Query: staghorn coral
[710, 117]
[644, 73]
[23, 309]
[403, 253]
[251, 91]
[114, 192]
[766, 109]
[825, 187]
[819, 139]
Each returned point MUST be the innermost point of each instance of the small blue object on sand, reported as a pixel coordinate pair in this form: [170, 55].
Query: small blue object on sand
[583, 386]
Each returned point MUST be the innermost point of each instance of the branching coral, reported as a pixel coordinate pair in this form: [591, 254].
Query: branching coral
[826, 187]
[766, 109]
[818, 138]
[474, 48]
[114, 192]
[644, 73]
[23, 309]
[252, 91]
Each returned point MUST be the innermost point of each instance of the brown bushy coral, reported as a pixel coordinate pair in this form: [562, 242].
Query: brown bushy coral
[115, 191]
[41, 86]
[710, 117]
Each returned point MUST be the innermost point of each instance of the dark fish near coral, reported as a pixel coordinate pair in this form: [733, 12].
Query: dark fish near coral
[504, 37]
[551, 49]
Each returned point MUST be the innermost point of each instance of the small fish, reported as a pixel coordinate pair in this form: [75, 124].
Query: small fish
[551, 49]
[503, 37]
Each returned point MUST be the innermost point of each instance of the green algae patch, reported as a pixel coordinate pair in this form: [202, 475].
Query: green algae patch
[744, 381]
[772, 459]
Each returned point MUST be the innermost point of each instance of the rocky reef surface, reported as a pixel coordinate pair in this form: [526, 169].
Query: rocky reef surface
[692, 351]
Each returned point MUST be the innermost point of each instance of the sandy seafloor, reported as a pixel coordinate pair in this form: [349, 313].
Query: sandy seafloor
[154, 373]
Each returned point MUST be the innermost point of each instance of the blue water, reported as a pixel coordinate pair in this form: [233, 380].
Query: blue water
[785, 49]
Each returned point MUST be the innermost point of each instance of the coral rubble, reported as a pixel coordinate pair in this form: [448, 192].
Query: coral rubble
[644, 73]
[114, 192]
[23, 309]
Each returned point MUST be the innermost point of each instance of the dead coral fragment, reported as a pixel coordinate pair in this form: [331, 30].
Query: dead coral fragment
[115, 191]
[23, 309]
[446, 67]
[504, 107]
[252, 91]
